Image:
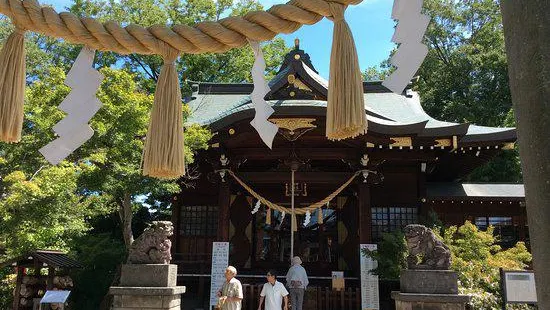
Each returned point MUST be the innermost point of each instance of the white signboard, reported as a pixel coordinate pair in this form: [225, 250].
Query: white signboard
[220, 260]
[55, 297]
[520, 287]
[369, 281]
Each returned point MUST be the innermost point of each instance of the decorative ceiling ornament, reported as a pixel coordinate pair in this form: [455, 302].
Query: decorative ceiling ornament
[80, 105]
[266, 129]
[408, 34]
[293, 128]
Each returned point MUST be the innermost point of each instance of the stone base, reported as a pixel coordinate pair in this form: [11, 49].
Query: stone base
[147, 287]
[429, 281]
[147, 298]
[149, 275]
[408, 301]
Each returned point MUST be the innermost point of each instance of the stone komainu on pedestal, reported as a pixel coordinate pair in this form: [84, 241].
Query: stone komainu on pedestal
[149, 282]
[428, 283]
[153, 246]
[424, 245]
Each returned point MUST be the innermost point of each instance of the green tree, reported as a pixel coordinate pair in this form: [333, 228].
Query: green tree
[464, 77]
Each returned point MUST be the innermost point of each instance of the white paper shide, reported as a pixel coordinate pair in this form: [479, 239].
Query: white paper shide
[80, 105]
[266, 129]
[409, 32]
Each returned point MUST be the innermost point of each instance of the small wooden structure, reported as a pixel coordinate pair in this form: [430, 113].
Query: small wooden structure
[33, 285]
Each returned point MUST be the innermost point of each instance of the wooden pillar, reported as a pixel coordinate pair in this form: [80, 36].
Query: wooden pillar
[16, 295]
[176, 221]
[51, 274]
[224, 200]
[423, 208]
[364, 210]
[522, 222]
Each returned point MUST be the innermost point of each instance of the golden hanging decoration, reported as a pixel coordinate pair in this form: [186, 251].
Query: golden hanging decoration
[320, 216]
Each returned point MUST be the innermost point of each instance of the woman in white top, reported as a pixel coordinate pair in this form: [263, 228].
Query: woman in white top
[273, 292]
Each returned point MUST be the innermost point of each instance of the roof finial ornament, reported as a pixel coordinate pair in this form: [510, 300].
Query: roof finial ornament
[297, 43]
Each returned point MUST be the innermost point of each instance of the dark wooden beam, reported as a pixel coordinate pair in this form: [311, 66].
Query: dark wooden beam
[284, 177]
[332, 154]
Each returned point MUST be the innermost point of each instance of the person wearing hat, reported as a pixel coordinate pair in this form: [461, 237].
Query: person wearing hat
[296, 280]
[273, 292]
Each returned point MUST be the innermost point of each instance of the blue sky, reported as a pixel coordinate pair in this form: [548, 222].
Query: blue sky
[369, 21]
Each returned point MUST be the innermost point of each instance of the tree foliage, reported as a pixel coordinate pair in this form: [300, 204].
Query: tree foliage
[464, 77]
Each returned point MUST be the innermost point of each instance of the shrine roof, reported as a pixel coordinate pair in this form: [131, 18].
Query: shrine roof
[55, 259]
[298, 90]
[452, 189]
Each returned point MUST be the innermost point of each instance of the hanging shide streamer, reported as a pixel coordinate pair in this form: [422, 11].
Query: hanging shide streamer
[81, 104]
[266, 129]
[163, 154]
[268, 216]
[320, 216]
[256, 207]
[307, 219]
[12, 86]
[346, 116]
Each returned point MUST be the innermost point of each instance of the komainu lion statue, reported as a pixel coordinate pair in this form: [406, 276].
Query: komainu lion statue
[153, 246]
[426, 251]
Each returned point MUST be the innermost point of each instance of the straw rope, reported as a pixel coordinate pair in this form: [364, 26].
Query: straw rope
[204, 37]
[280, 208]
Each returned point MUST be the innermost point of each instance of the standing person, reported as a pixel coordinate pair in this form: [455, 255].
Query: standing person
[273, 293]
[296, 280]
[231, 293]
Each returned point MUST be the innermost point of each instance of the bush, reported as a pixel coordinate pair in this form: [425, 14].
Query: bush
[391, 255]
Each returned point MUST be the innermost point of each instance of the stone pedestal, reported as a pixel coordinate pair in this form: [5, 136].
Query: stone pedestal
[429, 290]
[412, 301]
[147, 287]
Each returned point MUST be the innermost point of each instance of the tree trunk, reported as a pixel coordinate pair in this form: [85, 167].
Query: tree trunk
[527, 35]
[125, 213]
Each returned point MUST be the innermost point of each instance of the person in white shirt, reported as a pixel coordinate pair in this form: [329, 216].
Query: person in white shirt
[231, 293]
[296, 280]
[273, 292]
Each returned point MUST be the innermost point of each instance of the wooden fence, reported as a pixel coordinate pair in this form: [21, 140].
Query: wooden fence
[316, 298]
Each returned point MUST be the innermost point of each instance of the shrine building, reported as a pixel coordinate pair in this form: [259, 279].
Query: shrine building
[408, 168]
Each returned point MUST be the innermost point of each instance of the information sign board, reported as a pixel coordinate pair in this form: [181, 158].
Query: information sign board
[519, 286]
[370, 299]
[220, 260]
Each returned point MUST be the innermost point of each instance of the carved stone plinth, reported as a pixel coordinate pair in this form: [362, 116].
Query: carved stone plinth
[151, 286]
[429, 290]
[408, 301]
[429, 281]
